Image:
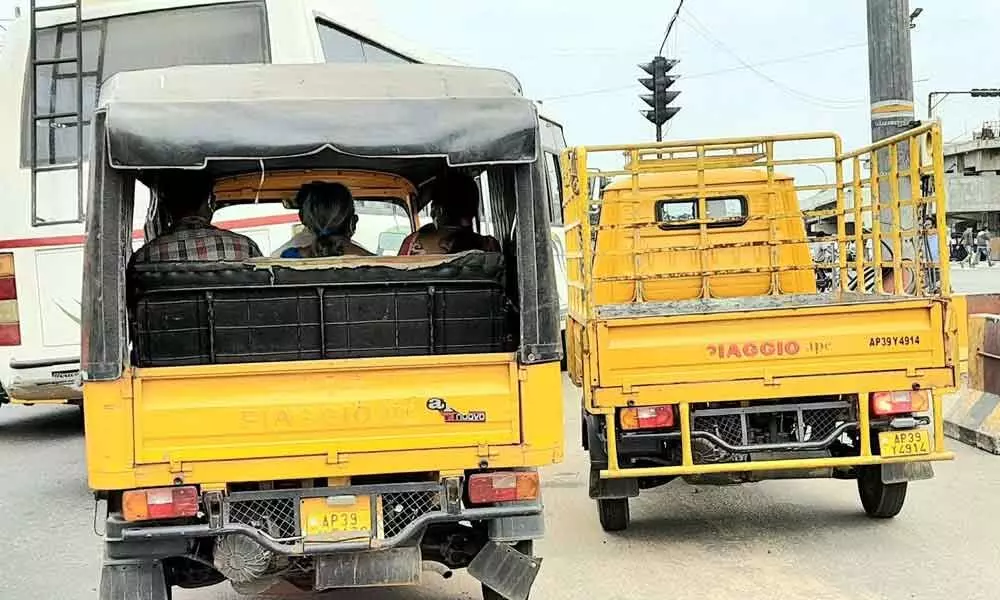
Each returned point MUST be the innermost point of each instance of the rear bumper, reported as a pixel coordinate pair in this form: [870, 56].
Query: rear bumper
[44, 380]
[770, 465]
[403, 513]
[829, 438]
[409, 536]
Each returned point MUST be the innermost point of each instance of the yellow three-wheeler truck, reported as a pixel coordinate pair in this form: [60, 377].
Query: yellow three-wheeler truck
[711, 346]
[332, 422]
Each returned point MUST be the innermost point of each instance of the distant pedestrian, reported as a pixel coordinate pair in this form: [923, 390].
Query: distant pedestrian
[983, 247]
[968, 244]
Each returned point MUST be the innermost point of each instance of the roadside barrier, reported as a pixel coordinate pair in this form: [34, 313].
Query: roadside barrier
[972, 415]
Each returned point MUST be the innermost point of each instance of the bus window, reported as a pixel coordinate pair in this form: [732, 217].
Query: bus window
[341, 46]
[214, 34]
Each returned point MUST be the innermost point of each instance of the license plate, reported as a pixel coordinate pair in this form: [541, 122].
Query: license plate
[337, 517]
[904, 443]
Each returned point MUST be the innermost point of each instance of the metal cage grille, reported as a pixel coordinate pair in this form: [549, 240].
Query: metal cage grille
[727, 427]
[759, 426]
[277, 517]
[401, 509]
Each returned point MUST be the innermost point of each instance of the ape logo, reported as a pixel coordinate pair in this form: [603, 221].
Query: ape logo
[453, 416]
[754, 349]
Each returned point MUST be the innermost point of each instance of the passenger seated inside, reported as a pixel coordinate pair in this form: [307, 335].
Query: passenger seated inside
[327, 211]
[190, 236]
[454, 207]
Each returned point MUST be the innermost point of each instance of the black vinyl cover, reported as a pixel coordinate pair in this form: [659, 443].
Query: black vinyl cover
[185, 116]
[464, 127]
[191, 314]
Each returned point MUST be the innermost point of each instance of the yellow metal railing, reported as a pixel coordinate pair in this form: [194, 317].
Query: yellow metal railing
[885, 207]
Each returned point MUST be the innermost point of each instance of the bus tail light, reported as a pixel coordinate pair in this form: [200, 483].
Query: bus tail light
[647, 417]
[10, 320]
[160, 503]
[504, 486]
[895, 403]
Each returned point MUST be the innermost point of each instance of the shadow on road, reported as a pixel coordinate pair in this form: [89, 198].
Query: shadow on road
[748, 525]
[433, 588]
[709, 516]
[32, 424]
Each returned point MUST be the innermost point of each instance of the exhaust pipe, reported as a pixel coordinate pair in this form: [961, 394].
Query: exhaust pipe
[436, 567]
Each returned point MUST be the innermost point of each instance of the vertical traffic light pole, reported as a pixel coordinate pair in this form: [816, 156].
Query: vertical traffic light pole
[659, 83]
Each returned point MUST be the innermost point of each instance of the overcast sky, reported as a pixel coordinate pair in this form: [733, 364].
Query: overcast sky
[580, 59]
[561, 49]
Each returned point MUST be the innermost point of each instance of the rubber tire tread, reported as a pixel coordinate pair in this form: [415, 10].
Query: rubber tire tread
[613, 514]
[880, 500]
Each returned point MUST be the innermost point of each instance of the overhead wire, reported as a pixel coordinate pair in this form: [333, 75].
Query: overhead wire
[832, 103]
[784, 59]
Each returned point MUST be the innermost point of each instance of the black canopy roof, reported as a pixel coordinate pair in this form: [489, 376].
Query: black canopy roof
[183, 117]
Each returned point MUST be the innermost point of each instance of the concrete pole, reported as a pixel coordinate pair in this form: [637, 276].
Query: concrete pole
[890, 67]
[890, 75]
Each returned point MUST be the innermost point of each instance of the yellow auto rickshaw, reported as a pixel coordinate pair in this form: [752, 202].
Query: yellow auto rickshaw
[333, 422]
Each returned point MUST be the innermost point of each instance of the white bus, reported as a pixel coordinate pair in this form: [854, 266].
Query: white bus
[42, 224]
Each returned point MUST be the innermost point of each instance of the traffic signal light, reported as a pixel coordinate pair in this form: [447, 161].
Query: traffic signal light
[658, 83]
[985, 92]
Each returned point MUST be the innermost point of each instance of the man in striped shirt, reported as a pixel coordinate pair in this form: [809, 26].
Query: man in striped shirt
[186, 197]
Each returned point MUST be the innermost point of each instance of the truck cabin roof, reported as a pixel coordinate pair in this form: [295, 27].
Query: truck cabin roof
[689, 179]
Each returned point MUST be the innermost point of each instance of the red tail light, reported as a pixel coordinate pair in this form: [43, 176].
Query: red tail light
[507, 486]
[647, 417]
[894, 403]
[10, 326]
[160, 503]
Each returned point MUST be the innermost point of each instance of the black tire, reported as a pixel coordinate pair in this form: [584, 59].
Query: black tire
[81, 417]
[524, 547]
[614, 514]
[880, 500]
[596, 446]
[564, 362]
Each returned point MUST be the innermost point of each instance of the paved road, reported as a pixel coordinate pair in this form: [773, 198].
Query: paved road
[980, 280]
[775, 540]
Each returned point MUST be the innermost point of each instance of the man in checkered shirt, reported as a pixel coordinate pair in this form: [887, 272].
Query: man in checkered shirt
[191, 236]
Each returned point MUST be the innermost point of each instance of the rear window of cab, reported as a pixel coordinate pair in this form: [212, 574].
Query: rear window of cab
[724, 211]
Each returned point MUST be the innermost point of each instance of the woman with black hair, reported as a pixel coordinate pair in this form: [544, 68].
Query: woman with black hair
[327, 211]
[454, 207]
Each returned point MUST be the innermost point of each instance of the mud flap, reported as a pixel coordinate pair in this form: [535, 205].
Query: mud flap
[902, 472]
[395, 566]
[133, 580]
[610, 489]
[505, 570]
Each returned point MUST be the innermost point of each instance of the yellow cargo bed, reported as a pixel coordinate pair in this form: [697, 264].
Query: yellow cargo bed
[891, 335]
